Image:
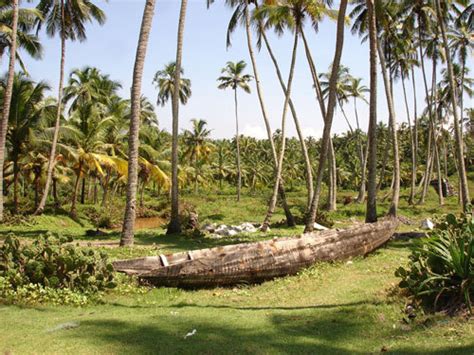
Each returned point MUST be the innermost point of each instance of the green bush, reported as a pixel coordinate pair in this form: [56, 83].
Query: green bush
[440, 273]
[50, 262]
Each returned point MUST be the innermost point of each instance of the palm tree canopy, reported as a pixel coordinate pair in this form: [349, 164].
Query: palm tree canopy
[164, 82]
[234, 77]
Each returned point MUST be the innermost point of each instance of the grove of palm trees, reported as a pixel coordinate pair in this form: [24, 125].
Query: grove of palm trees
[237, 176]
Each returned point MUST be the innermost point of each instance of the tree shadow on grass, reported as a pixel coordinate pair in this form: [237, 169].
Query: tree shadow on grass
[340, 330]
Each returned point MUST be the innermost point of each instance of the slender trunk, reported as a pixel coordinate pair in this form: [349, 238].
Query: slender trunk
[289, 217]
[457, 130]
[362, 157]
[371, 212]
[73, 212]
[386, 155]
[16, 175]
[304, 149]
[142, 191]
[411, 198]
[332, 196]
[415, 116]
[83, 191]
[106, 188]
[7, 98]
[175, 225]
[273, 199]
[57, 204]
[329, 116]
[94, 192]
[52, 154]
[237, 142]
[440, 176]
[127, 236]
[393, 127]
[196, 175]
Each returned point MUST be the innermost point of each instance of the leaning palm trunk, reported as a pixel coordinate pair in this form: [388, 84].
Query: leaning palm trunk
[289, 217]
[7, 98]
[175, 226]
[52, 154]
[304, 149]
[393, 127]
[133, 139]
[371, 212]
[329, 117]
[273, 199]
[457, 130]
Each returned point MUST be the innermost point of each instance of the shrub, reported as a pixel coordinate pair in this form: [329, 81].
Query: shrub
[50, 262]
[440, 273]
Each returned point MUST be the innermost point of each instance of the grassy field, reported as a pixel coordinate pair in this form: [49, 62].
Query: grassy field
[339, 308]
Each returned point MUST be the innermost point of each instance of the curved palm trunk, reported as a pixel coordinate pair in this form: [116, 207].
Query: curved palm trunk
[290, 221]
[304, 149]
[411, 198]
[457, 130]
[52, 154]
[329, 117]
[133, 138]
[415, 116]
[237, 142]
[7, 99]
[175, 226]
[393, 128]
[371, 212]
[273, 199]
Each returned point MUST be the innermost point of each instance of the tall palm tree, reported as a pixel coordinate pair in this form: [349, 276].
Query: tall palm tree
[175, 225]
[26, 40]
[325, 144]
[371, 212]
[7, 98]
[234, 78]
[198, 146]
[127, 237]
[68, 18]
[457, 130]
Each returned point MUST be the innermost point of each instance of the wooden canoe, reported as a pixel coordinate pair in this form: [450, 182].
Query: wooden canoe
[259, 261]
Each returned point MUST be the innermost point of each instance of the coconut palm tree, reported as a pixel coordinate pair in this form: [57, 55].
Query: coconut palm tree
[164, 82]
[7, 98]
[234, 78]
[26, 40]
[127, 237]
[197, 145]
[175, 225]
[66, 18]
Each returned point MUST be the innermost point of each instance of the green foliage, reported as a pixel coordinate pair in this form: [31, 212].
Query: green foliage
[51, 263]
[440, 273]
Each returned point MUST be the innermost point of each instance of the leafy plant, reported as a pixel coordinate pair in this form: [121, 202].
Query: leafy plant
[440, 273]
[50, 262]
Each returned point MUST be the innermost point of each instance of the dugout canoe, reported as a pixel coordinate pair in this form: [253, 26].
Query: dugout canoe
[259, 261]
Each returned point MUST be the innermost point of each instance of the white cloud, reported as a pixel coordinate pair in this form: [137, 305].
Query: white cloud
[312, 132]
[254, 131]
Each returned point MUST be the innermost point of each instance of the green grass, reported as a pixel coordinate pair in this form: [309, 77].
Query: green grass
[335, 308]
[339, 308]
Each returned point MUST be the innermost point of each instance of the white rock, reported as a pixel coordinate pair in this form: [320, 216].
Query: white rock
[427, 224]
[319, 227]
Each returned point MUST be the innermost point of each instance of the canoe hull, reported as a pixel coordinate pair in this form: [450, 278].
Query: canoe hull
[257, 262]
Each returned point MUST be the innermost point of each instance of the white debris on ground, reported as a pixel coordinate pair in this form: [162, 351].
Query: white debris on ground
[65, 326]
[222, 230]
[319, 227]
[190, 334]
[427, 224]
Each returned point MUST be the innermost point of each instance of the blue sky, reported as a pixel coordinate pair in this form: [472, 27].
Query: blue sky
[112, 49]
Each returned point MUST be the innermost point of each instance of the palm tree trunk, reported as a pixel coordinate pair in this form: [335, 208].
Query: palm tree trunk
[411, 198]
[332, 196]
[457, 130]
[57, 204]
[196, 175]
[371, 212]
[83, 191]
[73, 212]
[440, 176]
[304, 149]
[8, 98]
[328, 117]
[415, 116]
[385, 157]
[52, 154]
[273, 199]
[362, 156]
[237, 143]
[175, 225]
[393, 127]
[16, 176]
[133, 139]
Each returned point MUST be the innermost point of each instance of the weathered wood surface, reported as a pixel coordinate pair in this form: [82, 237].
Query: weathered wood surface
[257, 262]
